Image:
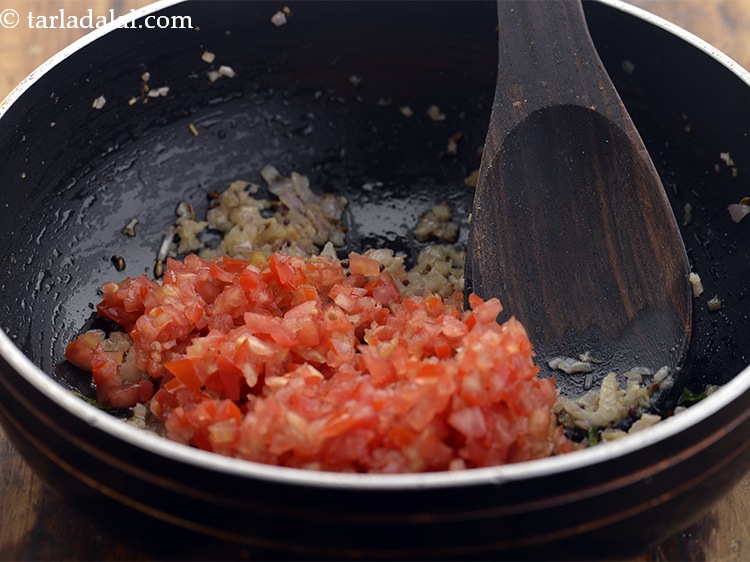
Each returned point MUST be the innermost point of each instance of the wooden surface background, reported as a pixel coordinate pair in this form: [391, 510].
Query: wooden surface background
[36, 525]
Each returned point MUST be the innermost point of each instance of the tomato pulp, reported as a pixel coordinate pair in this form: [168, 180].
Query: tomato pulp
[303, 362]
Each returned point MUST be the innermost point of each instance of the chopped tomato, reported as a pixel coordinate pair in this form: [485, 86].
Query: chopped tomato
[287, 270]
[362, 265]
[384, 290]
[124, 302]
[112, 389]
[291, 361]
[184, 371]
[81, 351]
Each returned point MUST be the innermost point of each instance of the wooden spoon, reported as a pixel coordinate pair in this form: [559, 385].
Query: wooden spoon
[571, 228]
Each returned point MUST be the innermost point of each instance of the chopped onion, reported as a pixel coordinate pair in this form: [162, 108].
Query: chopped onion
[569, 365]
[696, 283]
[726, 158]
[435, 114]
[129, 229]
[646, 420]
[278, 19]
[158, 92]
[227, 71]
[738, 211]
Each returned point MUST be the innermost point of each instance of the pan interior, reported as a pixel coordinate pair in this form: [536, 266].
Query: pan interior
[324, 96]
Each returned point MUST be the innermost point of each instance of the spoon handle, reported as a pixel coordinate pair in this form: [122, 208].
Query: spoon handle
[563, 68]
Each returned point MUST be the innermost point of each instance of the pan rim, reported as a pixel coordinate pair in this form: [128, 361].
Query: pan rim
[77, 45]
[681, 33]
[522, 471]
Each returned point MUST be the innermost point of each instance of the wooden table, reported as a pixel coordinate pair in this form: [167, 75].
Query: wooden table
[36, 525]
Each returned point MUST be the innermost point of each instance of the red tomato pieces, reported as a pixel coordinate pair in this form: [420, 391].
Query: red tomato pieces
[117, 385]
[297, 362]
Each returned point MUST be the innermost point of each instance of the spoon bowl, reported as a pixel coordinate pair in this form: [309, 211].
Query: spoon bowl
[571, 228]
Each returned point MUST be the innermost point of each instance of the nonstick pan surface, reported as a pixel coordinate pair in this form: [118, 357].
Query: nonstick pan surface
[321, 96]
